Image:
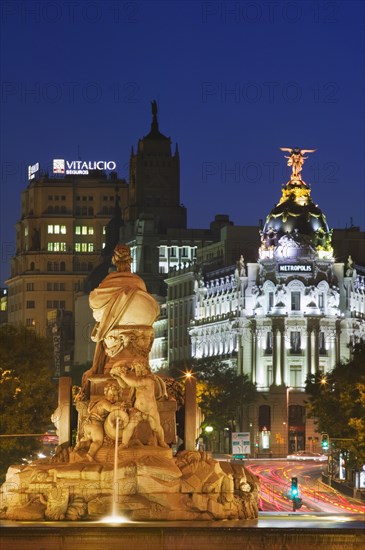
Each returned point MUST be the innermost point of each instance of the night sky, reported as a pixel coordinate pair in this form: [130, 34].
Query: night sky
[234, 81]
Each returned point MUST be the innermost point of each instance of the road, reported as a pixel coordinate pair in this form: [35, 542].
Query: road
[275, 476]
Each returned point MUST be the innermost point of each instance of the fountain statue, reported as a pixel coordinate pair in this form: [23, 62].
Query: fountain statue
[123, 457]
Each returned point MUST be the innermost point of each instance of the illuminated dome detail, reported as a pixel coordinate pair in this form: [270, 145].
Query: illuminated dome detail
[296, 227]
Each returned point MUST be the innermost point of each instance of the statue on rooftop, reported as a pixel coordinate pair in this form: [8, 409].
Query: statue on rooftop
[296, 160]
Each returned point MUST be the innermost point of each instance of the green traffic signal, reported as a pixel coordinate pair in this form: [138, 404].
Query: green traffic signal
[294, 488]
[325, 441]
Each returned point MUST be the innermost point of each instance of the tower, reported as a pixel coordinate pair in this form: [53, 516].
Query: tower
[154, 180]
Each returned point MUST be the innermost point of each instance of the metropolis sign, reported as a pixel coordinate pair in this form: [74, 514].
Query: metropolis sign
[81, 167]
[295, 268]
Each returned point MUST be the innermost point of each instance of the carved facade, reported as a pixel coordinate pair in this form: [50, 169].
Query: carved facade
[292, 313]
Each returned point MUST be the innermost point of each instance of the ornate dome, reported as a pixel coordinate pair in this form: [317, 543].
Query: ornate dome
[296, 226]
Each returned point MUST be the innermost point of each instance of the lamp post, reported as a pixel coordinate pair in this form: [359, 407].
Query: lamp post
[287, 416]
[190, 412]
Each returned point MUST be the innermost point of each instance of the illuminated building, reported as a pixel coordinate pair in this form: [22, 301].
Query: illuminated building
[59, 238]
[293, 312]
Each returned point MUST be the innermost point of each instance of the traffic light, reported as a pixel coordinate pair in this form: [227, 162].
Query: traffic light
[325, 442]
[294, 494]
[294, 491]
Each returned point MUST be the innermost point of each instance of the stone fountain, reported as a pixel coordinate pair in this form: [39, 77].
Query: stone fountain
[126, 426]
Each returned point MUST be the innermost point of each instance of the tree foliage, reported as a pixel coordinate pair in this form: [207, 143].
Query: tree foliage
[222, 394]
[337, 400]
[27, 394]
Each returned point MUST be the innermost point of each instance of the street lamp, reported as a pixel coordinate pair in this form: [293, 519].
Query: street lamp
[190, 412]
[288, 389]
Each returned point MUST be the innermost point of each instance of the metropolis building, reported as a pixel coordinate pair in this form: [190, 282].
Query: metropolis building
[293, 312]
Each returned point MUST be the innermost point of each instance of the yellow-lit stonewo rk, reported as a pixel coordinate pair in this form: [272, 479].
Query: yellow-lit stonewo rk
[134, 459]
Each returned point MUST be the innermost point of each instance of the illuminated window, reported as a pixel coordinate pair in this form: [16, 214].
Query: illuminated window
[295, 341]
[321, 300]
[84, 230]
[295, 301]
[322, 343]
[56, 247]
[269, 344]
[84, 247]
[295, 376]
[104, 229]
[162, 252]
[25, 231]
[56, 229]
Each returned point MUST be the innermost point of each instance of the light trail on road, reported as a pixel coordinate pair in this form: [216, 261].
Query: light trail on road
[317, 497]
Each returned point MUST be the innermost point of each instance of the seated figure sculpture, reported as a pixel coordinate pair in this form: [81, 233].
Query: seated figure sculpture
[143, 381]
[98, 411]
[124, 312]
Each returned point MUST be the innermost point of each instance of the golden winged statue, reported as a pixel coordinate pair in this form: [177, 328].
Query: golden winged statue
[296, 159]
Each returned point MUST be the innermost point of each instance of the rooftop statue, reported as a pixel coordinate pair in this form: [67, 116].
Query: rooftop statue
[296, 160]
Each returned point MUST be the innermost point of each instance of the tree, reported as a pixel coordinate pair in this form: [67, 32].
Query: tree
[337, 400]
[222, 394]
[27, 394]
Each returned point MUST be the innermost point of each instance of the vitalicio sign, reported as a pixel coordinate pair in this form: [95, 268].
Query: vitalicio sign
[81, 167]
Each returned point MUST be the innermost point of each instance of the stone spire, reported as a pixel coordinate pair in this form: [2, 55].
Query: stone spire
[154, 125]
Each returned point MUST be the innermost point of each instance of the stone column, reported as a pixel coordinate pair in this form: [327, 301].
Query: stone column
[282, 354]
[338, 342]
[274, 353]
[253, 357]
[309, 349]
[63, 413]
[190, 413]
[277, 357]
[316, 349]
[313, 352]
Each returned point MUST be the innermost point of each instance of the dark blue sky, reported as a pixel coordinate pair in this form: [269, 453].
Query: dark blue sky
[234, 81]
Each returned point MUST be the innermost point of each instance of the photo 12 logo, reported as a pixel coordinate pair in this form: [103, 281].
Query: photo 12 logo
[58, 166]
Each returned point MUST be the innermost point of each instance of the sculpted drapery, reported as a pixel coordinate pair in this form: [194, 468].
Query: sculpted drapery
[124, 313]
